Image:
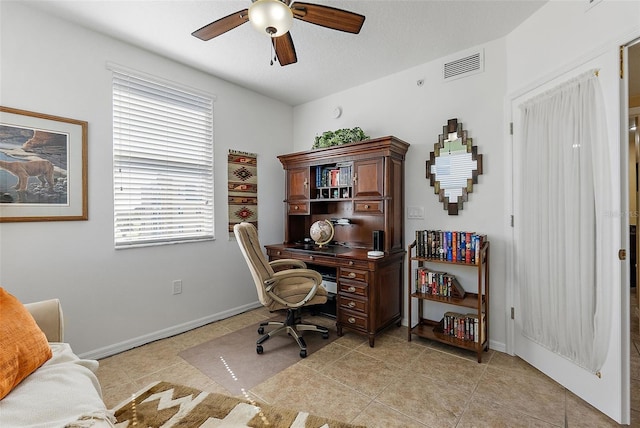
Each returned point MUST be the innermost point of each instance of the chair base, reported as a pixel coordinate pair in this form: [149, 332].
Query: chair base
[292, 326]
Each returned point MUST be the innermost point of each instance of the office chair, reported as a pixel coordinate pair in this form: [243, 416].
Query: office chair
[289, 289]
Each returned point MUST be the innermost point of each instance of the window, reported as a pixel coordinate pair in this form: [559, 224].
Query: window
[163, 162]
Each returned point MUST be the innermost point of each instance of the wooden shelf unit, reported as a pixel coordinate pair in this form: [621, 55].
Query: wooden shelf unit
[478, 300]
[370, 194]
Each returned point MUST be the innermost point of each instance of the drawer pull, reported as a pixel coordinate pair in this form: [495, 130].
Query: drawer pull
[351, 263]
[310, 257]
[352, 304]
[351, 275]
[351, 289]
[366, 206]
[278, 253]
[295, 208]
[351, 320]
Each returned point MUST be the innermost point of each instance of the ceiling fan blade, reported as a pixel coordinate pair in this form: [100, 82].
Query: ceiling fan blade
[329, 17]
[222, 25]
[285, 50]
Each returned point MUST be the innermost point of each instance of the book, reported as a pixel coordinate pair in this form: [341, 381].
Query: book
[334, 177]
[457, 290]
[478, 334]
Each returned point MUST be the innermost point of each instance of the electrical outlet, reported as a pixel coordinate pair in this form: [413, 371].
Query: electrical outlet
[177, 286]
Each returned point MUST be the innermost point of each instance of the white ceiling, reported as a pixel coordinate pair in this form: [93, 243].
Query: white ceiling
[396, 35]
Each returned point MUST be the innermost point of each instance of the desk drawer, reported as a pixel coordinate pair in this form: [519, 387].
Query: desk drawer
[279, 254]
[352, 319]
[354, 274]
[368, 207]
[348, 302]
[301, 208]
[354, 264]
[346, 287]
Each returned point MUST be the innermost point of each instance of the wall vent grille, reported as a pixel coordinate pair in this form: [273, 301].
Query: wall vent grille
[464, 67]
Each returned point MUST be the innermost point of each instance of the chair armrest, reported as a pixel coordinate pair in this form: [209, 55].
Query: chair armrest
[288, 262]
[48, 316]
[272, 283]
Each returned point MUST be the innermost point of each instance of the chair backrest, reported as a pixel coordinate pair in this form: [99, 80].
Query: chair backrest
[247, 237]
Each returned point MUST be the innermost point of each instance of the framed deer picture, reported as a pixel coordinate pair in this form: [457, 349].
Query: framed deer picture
[43, 167]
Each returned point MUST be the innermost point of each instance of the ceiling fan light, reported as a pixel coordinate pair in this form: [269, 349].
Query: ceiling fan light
[271, 17]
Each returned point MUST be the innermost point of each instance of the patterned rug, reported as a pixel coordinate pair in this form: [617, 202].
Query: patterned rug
[164, 404]
[242, 188]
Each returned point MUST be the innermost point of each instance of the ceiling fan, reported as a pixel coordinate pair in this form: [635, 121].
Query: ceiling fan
[275, 17]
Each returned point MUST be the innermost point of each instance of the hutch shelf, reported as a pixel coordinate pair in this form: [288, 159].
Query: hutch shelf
[477, 302]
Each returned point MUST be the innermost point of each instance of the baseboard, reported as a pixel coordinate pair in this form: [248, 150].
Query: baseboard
[164, 333]
[497, 346]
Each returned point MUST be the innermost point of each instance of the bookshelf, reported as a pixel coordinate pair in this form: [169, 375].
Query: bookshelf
[334, 181]
[468, 326]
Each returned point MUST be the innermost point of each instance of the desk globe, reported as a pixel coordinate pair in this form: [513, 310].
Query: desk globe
[322, 232]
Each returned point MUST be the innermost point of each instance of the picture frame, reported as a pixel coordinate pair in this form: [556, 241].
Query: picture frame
[43, 167]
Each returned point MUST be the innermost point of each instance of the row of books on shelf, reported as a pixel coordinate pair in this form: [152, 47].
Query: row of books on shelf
[334, 176]
[438, 284]
[449, 245]
[463, 326]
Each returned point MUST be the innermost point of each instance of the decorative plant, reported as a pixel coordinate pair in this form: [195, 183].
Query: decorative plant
[338, 137]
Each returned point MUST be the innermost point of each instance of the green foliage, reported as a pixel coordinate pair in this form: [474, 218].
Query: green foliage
[341, 136]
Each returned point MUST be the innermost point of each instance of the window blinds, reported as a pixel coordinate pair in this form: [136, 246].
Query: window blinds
[163, 163]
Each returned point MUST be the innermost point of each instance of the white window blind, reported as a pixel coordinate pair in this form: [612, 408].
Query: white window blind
[163, 163]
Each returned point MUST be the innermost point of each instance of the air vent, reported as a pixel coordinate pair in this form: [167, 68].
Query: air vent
[463, 67]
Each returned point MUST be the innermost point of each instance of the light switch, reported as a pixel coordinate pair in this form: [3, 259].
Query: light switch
[415, 212]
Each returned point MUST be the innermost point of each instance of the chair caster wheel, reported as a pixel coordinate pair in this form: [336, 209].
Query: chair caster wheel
[303, 353]
[261, 330]
[259, 349]
[325, 335]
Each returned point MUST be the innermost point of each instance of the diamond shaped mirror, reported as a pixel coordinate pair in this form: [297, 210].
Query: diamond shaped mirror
[453, 166]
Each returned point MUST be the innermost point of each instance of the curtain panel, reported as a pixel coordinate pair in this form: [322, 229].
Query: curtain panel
[565, 226]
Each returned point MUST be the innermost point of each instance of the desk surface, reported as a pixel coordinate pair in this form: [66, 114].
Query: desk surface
[330, 254]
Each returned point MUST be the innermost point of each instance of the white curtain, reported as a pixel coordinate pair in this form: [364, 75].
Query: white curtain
[564, 236]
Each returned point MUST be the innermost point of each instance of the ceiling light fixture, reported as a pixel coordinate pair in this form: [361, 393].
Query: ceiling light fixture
[271, 17]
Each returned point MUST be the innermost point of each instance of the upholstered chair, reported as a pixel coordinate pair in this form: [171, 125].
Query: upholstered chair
[288, 289]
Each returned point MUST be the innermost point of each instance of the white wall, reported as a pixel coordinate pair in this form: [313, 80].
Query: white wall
[117, 299]
[396, 105]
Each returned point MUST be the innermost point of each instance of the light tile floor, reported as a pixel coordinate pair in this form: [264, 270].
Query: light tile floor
[395, 384]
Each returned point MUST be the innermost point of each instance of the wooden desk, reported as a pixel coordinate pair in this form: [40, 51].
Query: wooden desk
[369, 295]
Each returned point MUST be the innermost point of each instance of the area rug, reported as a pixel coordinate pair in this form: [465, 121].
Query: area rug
[232, 361]
[242, 188]
[164, 404]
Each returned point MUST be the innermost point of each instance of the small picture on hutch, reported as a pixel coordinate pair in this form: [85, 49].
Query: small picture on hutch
[42, 167]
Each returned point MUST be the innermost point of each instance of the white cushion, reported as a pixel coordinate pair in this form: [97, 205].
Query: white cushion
[59, 392]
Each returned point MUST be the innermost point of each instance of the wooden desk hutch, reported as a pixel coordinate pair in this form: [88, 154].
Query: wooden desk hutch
[367, 189]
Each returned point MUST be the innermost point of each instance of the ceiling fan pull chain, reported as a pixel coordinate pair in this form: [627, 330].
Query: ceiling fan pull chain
[271, 53]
